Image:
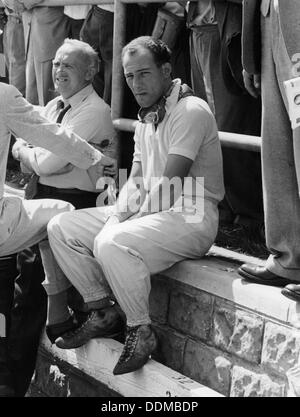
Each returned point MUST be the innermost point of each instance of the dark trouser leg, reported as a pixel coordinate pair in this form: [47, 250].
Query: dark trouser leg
[90, 33]
[27, 318]
[234, 112]
[8, 274]
[30, 304]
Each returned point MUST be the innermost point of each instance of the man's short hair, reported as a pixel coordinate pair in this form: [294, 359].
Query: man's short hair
[160, 50]
[89, 55]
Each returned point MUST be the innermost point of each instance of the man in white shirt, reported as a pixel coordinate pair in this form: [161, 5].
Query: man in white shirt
[80, 109]
[154, 224]
[23, 223]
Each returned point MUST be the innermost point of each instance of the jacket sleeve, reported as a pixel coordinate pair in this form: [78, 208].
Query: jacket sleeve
[24, 120]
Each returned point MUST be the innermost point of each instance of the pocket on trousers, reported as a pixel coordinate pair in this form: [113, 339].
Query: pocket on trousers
[167, 27]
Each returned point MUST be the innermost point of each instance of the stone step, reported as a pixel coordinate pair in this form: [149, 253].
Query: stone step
[217, 274]
[97, 359]
[219, 335]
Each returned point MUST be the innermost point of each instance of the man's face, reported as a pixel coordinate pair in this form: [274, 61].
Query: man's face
[69, 71]
[147, 81]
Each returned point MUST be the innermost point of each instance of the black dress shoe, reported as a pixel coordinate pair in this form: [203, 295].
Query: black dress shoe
[292, 291]
[262, 275]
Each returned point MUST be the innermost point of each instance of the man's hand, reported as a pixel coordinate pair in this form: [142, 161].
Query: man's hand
[252, 83]
[16, 148]
[105, 167]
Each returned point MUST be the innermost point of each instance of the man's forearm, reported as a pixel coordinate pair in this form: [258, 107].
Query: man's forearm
[130, 199]
[162, 196]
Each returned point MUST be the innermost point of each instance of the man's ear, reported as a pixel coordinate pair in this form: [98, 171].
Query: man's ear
[90, 73]
[167, 69]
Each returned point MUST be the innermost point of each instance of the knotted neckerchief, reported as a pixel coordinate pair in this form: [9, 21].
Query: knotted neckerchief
[156, 113]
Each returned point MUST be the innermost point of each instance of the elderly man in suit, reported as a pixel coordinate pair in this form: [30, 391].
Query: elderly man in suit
[271, 46]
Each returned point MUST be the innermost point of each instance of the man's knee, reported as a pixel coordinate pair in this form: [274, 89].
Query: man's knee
[57, 224]
[105, 245]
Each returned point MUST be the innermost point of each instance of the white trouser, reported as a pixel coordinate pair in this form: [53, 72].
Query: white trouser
[23, 223]
[122, 259]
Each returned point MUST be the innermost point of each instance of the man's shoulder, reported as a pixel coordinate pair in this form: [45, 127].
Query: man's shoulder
[98, 102]
[192, 105]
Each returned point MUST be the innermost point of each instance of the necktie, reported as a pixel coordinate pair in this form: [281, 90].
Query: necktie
[31, 188]
[62, 112]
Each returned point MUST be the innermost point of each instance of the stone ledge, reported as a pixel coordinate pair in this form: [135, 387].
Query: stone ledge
[238, 338]
[217, 274]
[98, 357]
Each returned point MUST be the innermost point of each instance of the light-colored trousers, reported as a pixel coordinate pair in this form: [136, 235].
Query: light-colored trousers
[14, 50]
[121, 260]
[23, 223]
[280, 155]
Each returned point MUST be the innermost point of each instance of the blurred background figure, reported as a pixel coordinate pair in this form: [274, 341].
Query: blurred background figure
[216, 70]
[45, 29]
[76, 15]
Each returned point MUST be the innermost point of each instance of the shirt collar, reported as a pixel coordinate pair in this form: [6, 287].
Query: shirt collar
[78, 97]
[172, 99]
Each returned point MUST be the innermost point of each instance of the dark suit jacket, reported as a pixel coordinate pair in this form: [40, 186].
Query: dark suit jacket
[289, 12]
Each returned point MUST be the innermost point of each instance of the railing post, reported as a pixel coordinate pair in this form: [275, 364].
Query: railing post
[117, 71]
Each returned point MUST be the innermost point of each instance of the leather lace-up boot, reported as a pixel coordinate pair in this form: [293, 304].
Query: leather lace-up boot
[106, 322]
[140, 342]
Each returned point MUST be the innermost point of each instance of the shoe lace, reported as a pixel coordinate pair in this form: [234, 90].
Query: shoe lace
[72, 333]
[130, 343]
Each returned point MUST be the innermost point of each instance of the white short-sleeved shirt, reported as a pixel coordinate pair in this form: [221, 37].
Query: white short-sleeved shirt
[90, 118]
[188, 129]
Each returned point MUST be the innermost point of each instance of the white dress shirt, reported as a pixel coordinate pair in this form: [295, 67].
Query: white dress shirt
[90, 118]
[20, 118]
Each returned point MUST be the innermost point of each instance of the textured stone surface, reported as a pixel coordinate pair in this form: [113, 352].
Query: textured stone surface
[159, 299]
[170, 349]
[61, 380]
[49, 379]
[207, 366]
[246, 383]
[281, 347]
[238, 332]
[191, 313]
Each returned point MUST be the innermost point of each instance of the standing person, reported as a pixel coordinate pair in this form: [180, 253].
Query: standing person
[80, 109]
[268, 62]
[216, 68]
[153, 225]
[14, 44]
[76, 15]
[23, 223]
[45, 29]
[97, 30]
